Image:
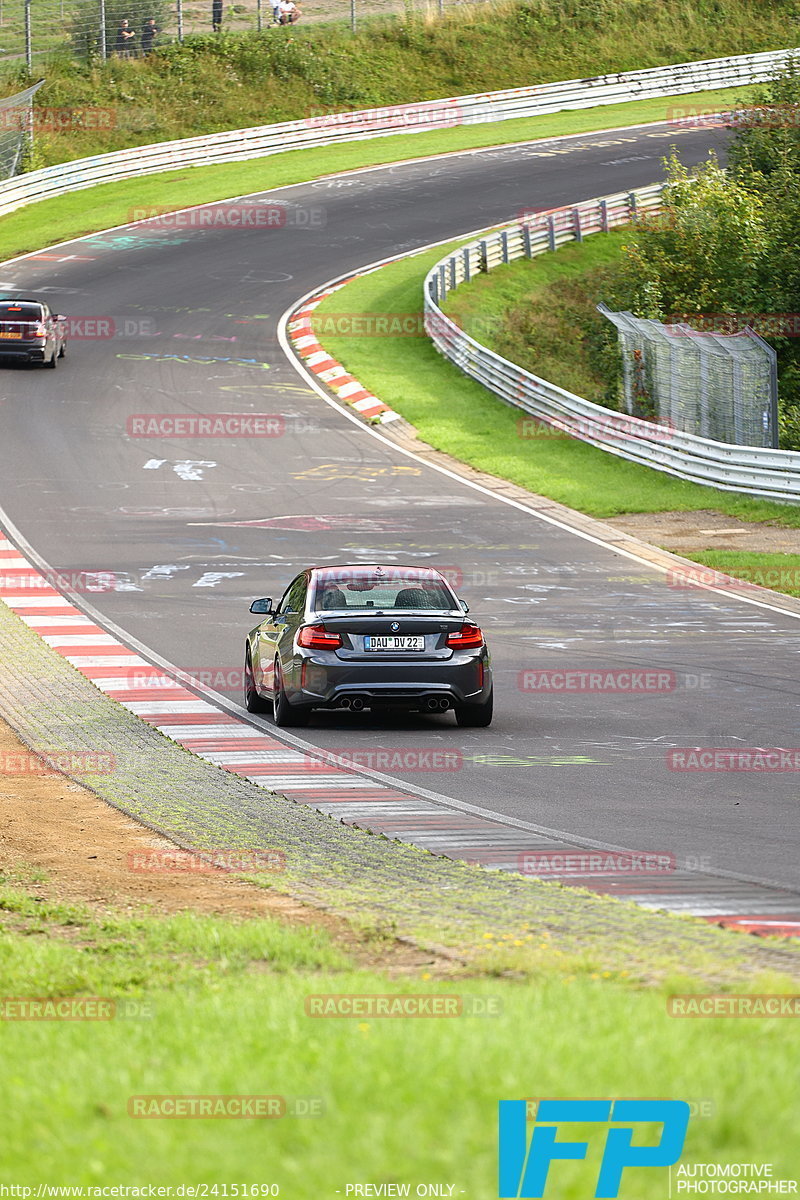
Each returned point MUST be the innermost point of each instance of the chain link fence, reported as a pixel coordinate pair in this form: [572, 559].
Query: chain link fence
[30, 29]
[718, 386]
[16, 130]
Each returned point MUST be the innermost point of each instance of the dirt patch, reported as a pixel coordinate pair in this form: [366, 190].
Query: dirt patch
[707, 529]
[83, 848]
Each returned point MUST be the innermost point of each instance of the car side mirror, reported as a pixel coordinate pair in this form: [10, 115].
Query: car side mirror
[463, 604]
[263, 607]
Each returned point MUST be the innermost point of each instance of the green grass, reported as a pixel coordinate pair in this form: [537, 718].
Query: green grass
[781, 572]
[456, 415]
[537, 312]
[211, 83]
[83, 212]
[215, 1006]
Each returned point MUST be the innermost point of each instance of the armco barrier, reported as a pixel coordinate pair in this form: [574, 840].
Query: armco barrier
[774, 474]
[328, 129]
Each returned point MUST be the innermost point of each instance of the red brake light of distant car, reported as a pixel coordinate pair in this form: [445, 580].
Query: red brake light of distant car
[469, 637]
[317, 637]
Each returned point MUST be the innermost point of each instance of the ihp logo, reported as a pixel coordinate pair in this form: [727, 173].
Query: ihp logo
[524, 1168]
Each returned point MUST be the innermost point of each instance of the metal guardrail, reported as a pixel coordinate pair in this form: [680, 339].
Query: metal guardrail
[327, 129]
[773, 474]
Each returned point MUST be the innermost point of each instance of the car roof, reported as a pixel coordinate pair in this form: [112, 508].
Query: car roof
[21, 300]
[372, 566]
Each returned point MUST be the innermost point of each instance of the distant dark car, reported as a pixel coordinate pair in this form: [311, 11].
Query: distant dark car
[29, 332]
[357, 636]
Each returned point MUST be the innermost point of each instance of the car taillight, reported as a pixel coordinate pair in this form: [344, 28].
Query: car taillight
[469, 637]
[40, 330]
[317, 637]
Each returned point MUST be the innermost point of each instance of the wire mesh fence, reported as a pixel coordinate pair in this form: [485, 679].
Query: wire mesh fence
[30, 29]
[16, 130]
[712, 385]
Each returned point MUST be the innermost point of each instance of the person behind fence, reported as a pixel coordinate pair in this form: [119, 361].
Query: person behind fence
[216, 15]
[276, 11]
[149, 33]
[289, 12]
[126, 37]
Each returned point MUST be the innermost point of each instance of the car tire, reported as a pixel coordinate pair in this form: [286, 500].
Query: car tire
[284, 714]
[253, 702]
[53, 361]
[475, 716]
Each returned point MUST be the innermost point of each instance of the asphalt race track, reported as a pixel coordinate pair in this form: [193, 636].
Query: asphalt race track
[196, 313]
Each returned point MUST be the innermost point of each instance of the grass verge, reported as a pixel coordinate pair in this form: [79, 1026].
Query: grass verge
[216, 1006]
[458, 416]
[107, 205]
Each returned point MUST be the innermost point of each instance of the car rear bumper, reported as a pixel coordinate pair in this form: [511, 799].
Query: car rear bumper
[23, 351]
[325, 681]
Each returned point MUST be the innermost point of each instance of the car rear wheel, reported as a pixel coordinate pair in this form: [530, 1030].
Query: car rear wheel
[285, 714]
[253, 702]
[475, 716]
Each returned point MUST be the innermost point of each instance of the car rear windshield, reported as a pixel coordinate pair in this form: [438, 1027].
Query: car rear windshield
[358, 589]
[10, 312]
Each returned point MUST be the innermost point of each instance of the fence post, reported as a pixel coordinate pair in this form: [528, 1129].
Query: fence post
[103, 46]
[179, 10]
[353, 15]
[259, 19]
[28, 46]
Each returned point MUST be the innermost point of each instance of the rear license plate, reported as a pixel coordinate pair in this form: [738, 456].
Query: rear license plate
[6, 334]
[394, 643]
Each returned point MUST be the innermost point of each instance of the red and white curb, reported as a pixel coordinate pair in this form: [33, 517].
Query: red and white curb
[316, 779]
[326, 368]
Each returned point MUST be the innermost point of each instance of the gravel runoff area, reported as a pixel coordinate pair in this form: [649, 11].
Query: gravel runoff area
[384, 888]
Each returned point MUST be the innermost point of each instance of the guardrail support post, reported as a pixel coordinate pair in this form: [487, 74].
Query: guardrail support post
[484, 254]
[633, 208]
[526, 240]
[453, 277]
[604, 215]
[576, 214]
[504, 245]
[551, 231]
[28, 45]
[467, 271]
[442, 283]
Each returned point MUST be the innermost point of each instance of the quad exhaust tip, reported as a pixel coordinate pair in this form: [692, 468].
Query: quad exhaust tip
[437, 704]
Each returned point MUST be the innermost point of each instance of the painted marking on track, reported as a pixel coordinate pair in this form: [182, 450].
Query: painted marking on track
[185, 468]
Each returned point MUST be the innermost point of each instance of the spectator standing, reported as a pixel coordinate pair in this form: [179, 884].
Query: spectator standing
[216, 15]
[149, 36]
[276, 11]
[125, 40]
